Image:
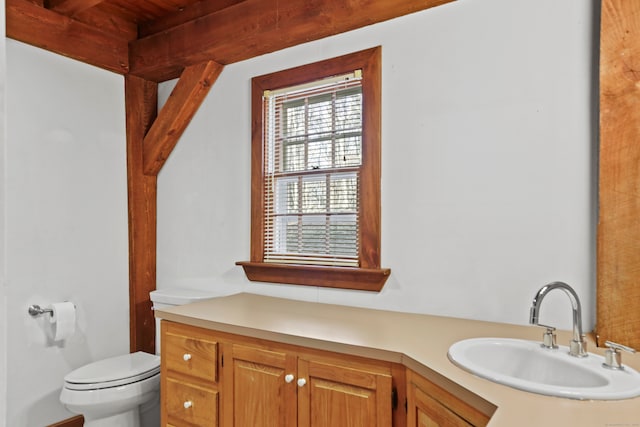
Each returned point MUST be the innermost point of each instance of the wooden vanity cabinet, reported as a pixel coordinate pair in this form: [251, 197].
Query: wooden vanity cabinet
[429, 405]
[280, 385]
[212, 378]
[189, 376]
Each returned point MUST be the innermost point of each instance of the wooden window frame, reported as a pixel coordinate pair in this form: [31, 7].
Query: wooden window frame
[369, 275]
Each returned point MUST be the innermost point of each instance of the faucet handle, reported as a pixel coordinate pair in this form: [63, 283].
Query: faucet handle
[549, 337]
[612, 355]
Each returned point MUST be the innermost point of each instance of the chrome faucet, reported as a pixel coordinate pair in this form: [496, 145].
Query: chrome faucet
[578, 345]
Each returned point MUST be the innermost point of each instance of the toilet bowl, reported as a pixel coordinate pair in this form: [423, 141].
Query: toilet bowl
[109, 392]
[122, 391]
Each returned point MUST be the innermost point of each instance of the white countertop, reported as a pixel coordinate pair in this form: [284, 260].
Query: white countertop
[417, 341]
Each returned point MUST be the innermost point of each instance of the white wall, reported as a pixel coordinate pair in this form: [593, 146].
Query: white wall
[66, 223]
[488, 188]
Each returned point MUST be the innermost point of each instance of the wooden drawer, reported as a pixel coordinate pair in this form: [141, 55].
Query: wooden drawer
[192, 355]
[192, 404]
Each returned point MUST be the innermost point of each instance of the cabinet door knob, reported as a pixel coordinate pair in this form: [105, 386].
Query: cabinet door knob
[288, 378]
[186, 357]
[188, 404]
[301, 382]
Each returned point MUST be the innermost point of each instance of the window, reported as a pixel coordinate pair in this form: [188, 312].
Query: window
[312, 158]
[316, 175]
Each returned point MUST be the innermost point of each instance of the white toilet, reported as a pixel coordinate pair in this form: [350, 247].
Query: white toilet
[123, 391]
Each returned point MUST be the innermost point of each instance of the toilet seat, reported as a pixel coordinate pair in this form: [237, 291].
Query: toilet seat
[114, 372]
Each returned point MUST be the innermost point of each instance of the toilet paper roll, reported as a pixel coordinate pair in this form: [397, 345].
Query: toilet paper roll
[63, 319]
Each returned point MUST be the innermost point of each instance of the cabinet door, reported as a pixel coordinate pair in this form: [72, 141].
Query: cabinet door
[429, 405]
[336, 395]
[261, 393]
[430, 413]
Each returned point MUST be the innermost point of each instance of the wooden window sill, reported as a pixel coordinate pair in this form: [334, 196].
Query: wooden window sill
[363, 279]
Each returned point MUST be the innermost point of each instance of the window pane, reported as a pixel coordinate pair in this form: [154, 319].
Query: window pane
[343, 235]
[314, 195]
[286, 197]
[349, 110]
[344, 193]
[320, 116]
[348, 151]
[293, 156]
[314, 231]
[294, 119]
[320, 154]
[285, 239]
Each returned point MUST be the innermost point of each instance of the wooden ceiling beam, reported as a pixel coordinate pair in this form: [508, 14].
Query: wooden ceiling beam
[110, 23]
[186, 14]
[29, 23]
[256, 27]
[71, 7]
[175, 115]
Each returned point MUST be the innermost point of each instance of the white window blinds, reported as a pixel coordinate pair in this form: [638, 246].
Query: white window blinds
[313, 154]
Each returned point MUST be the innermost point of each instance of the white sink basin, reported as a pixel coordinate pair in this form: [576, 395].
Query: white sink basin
[525, 365]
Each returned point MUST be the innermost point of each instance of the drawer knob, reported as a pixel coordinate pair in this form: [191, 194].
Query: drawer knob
[188, 404]
[301, 382]
[186, 357]
[288, 378]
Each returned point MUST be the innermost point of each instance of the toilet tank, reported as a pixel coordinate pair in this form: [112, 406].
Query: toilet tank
[164, 298]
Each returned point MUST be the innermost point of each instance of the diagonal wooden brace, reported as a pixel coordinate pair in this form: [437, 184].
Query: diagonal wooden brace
[173, 119]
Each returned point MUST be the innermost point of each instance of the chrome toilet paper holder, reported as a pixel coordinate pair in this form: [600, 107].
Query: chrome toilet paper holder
[36, 310]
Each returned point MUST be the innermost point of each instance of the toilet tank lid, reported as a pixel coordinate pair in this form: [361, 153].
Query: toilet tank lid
[179, 296]
[115, 368]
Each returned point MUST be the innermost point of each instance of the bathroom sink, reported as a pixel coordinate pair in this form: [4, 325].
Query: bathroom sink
[526, 365]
